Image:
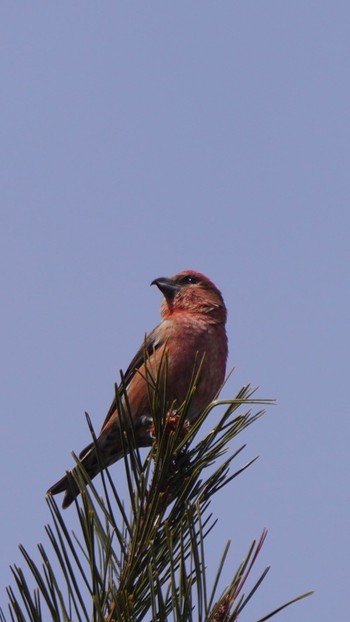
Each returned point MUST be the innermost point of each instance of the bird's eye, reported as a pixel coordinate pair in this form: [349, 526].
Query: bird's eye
[189, 279]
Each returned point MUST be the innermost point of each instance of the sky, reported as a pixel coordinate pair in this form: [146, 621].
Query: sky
[141, 139]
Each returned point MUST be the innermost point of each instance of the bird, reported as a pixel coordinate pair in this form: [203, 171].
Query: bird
[191, 337]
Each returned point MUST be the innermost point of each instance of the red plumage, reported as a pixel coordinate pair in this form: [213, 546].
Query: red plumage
[192, 332]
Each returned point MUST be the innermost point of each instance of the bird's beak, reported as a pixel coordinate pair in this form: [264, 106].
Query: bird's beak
[168, 287]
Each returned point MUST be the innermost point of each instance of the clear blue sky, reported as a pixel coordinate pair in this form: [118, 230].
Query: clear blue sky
[139, 139]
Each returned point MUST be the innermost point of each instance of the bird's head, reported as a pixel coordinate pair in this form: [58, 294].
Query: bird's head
[191, 292]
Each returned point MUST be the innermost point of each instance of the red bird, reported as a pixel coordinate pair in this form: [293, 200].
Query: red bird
[193, 325]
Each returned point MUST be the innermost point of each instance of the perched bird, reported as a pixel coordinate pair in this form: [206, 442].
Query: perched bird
[191, 332]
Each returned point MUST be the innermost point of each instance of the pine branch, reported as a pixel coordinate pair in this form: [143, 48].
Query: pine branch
[144, 559]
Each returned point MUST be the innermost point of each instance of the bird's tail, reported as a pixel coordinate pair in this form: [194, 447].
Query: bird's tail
[95, 457]
[108, 449]
[68, 484]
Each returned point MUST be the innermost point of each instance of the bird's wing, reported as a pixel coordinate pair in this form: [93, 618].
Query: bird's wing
[151, 343]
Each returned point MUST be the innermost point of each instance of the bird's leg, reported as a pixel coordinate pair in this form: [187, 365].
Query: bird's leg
[145, 431]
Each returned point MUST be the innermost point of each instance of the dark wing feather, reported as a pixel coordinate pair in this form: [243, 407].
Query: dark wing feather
[151, 343]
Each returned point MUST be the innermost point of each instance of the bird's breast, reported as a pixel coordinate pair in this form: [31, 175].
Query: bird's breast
[195, 345]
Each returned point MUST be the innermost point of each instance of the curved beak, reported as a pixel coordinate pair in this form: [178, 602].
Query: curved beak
[168, 287]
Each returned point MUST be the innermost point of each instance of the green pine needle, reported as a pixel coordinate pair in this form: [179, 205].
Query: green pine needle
[143, 558]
